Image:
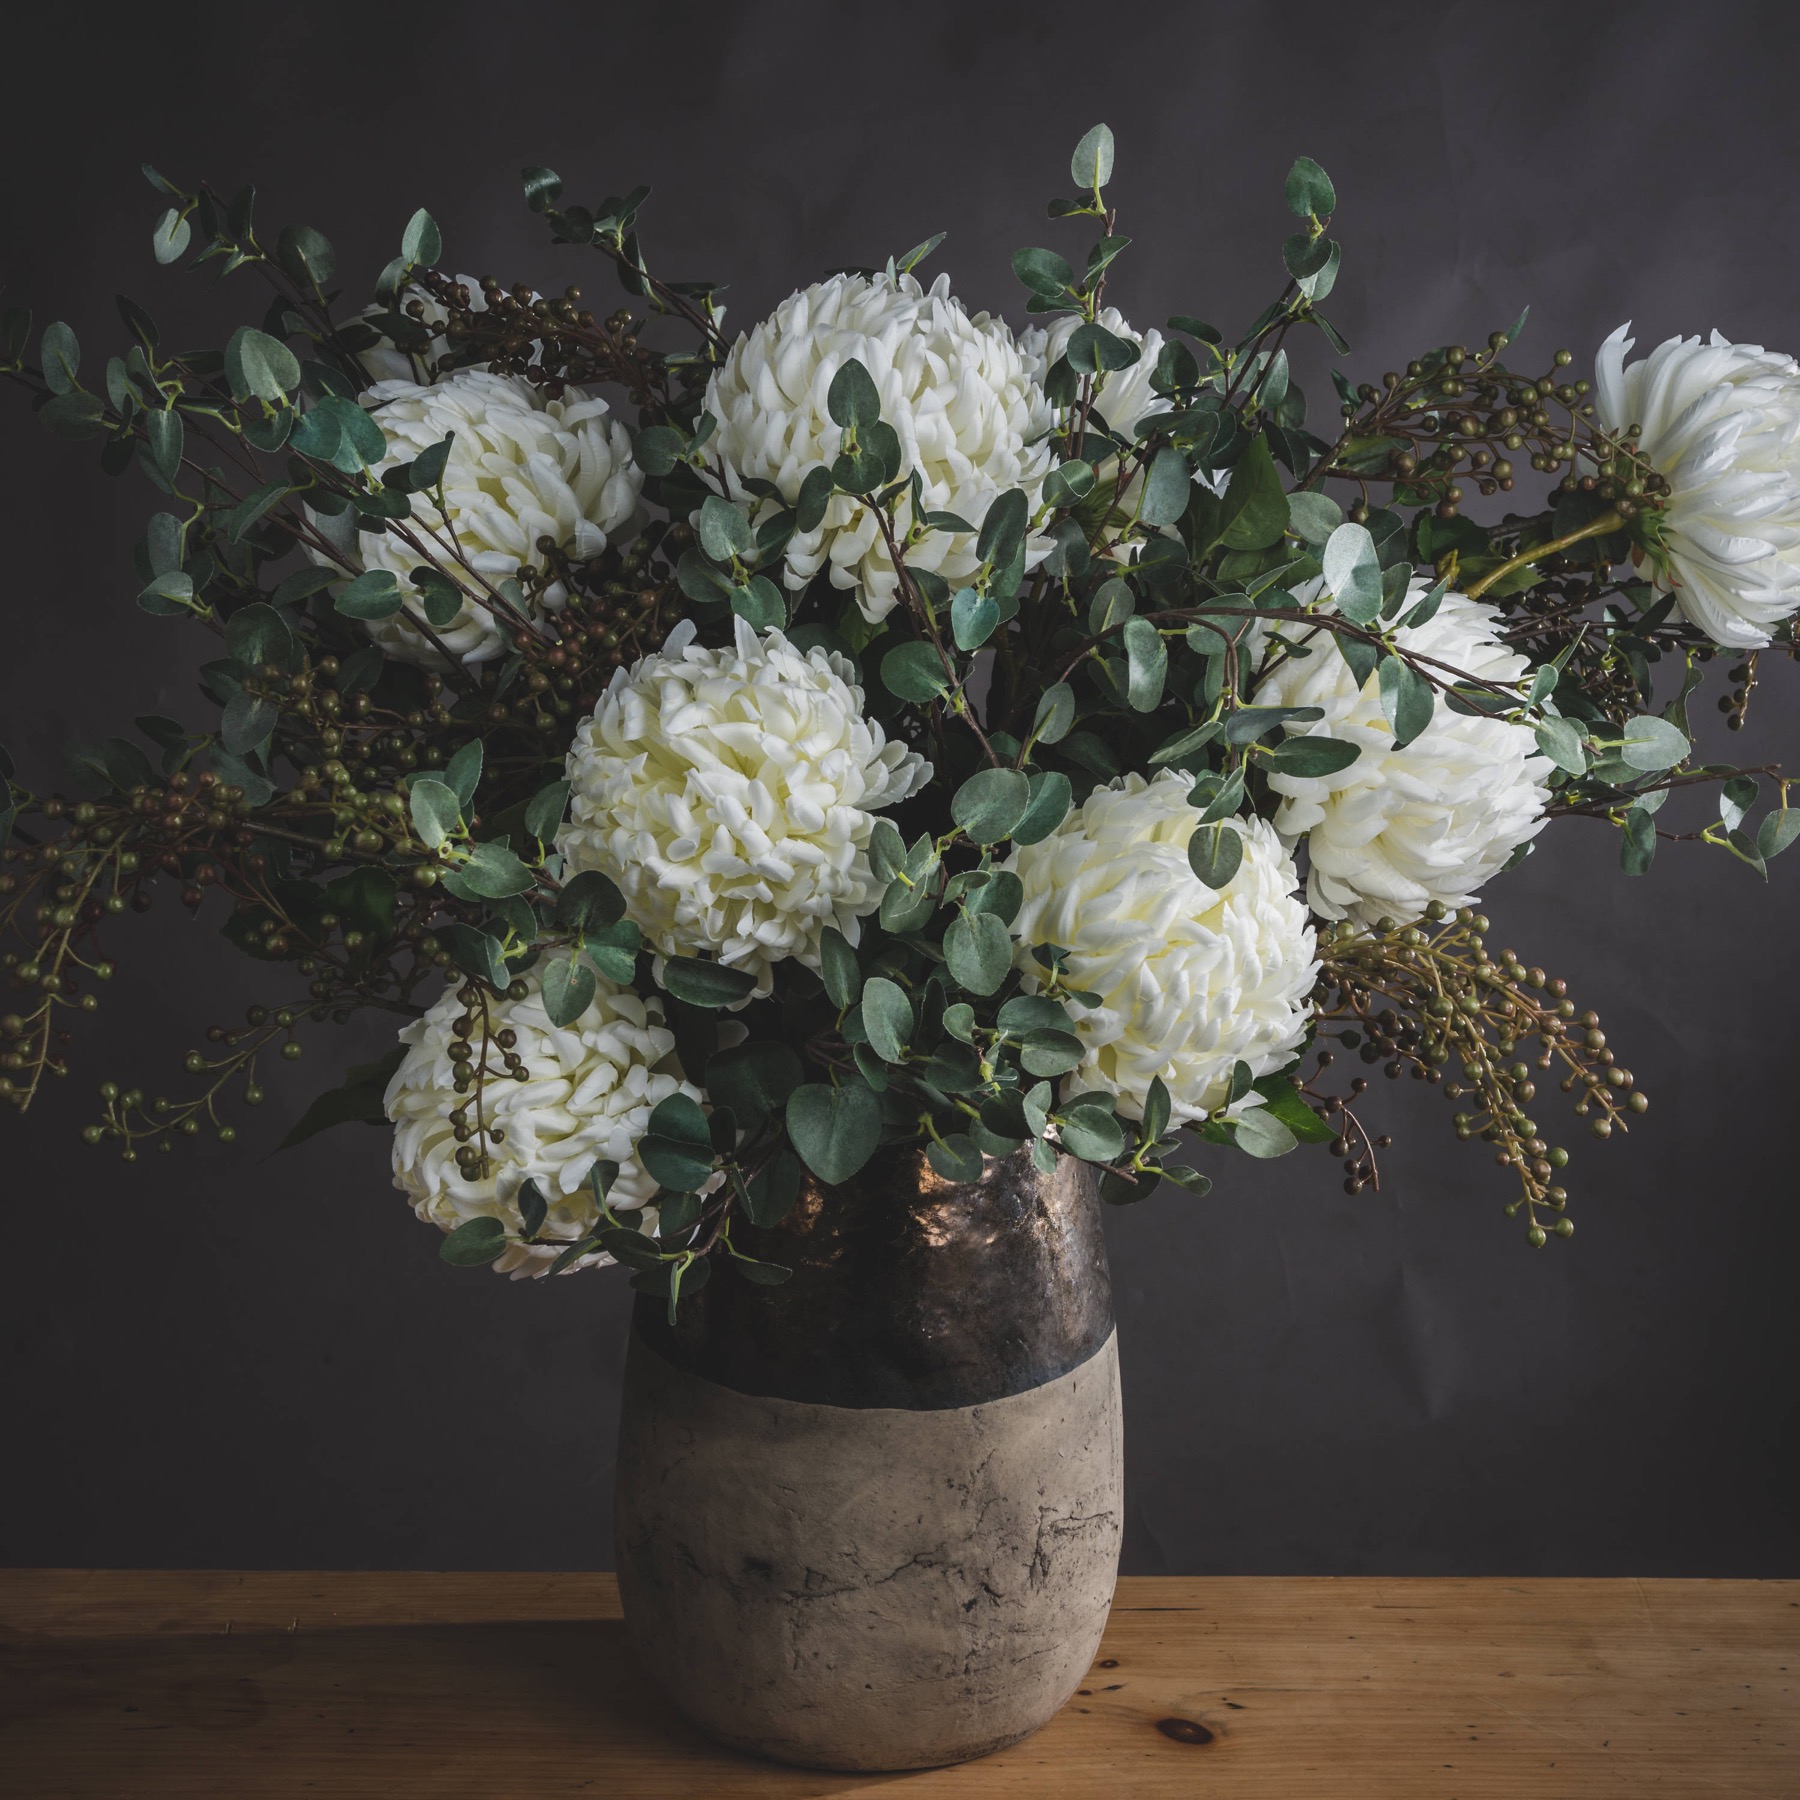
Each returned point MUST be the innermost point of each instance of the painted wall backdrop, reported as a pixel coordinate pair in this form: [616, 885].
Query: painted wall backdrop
[236, 1357]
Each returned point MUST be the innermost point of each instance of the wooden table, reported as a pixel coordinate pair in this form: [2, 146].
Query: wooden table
[141, 1685]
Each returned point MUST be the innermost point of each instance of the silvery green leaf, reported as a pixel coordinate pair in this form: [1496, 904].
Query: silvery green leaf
[1353, 573]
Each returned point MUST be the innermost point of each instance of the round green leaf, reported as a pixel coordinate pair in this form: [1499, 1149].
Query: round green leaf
[1652, 744]
[978, 951]
[956, 1158]
[887, 1017]
[1215, 852]
[1051, 795]
[835, 1129]
[914, 672]
[990, 803]
[473, 1243]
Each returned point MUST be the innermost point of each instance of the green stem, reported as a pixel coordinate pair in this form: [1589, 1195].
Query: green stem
[1607, 522]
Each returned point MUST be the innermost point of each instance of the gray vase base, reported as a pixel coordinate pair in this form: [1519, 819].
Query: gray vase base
[868, 1589]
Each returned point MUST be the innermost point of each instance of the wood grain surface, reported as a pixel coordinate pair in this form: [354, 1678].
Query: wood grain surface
[139, 1685]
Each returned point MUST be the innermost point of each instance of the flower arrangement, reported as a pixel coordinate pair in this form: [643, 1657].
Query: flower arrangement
[732, 755]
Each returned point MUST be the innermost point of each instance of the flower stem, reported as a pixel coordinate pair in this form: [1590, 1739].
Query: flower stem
[1607, 522]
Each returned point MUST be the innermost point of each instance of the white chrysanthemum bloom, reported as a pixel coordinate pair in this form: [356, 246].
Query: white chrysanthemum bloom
[1191, 980]
[386, 361]
[731, 794]
[1402, 827]
[520, 468]
[1720, 422]
[955, 386]
[591, 1089]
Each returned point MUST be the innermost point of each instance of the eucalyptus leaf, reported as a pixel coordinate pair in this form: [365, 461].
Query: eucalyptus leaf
[991, 803]
[835, 1129]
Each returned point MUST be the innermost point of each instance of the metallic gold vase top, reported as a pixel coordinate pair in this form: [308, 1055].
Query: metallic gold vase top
[870, 1519]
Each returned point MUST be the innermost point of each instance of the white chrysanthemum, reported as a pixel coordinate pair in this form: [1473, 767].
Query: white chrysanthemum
[956, 387]
[731, 793]
[1191, 980]
[1720, 422]
[1402, 827]
[591, 1089]
[520, 468]
[386, 361]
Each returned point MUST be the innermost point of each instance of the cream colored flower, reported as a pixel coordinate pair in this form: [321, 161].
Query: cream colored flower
[956, 388]
[1191, 980]
[1720, 422]
[1402, 827]
[520, 468]
[590, 1091]
[731, 793]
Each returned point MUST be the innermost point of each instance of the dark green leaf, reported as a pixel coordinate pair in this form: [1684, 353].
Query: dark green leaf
[838, 967]
[436, 812]
[1051, 795]
[978, 952]
[1055, 714]
[1168, 488]
[707, 984]
[1406, 699]
[887, 1017]
[852, 399]
[492, 872]
[247, 723]
[973, 617]
[1309, 190]
[60, 353]
[1638, 845]
[1215, 852]
[306, 255]
[1310, 756]
[1044, 272]
[956, 1157]
[260, 366]
[589, 902]
[544, 811]
[357, 1101]
[990, 803]
[375, 594]
[421, 242]
[914, 672]
[754, 1079]
[1090, 1132]
[1255, 511]
[776, 1187]
[474, 1243]
[835, 1129]
[478, 954]
[1777, 832]
[724, 531]
[568, 990]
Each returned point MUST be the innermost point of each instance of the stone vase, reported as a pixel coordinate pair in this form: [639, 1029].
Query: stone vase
[870, 1519]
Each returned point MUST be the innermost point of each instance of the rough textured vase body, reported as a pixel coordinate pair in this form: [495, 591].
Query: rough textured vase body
[870, 1519]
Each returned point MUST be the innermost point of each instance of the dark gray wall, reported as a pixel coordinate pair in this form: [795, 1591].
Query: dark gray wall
[230, 1358]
